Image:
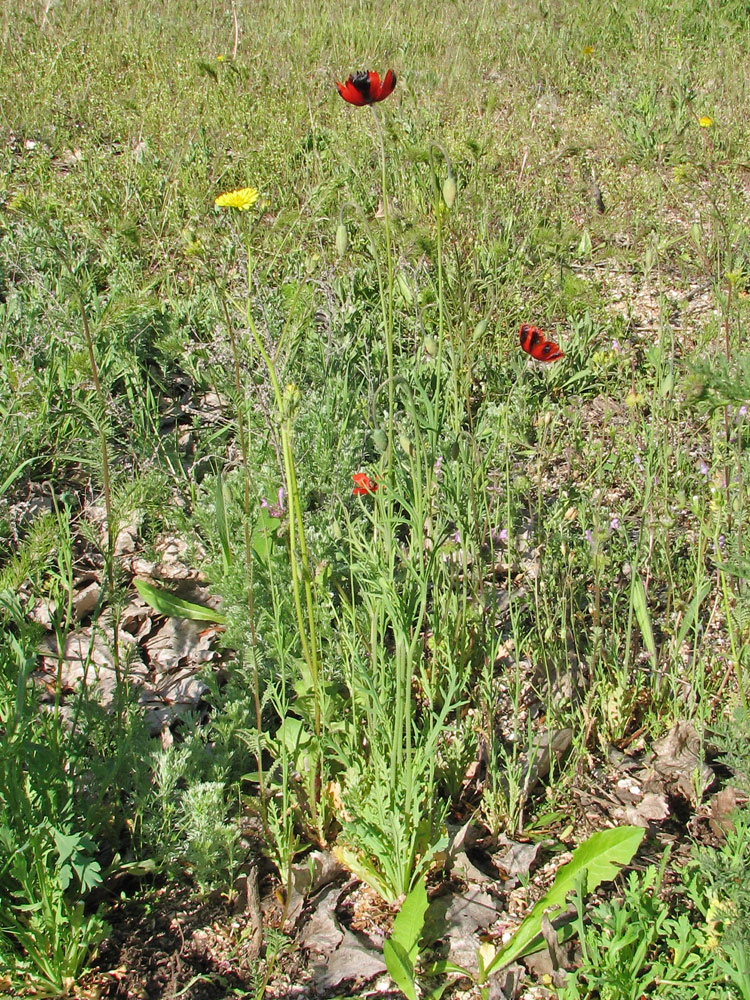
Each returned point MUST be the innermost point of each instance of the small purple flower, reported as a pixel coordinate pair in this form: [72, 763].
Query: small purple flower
[275, 510]
[616, 346]
[614, 524]
[703, 469]
[590, 539]
[637, 460]
[456, 537]
[721, 543]
[742, 412]
[438, 468]
[500, 537]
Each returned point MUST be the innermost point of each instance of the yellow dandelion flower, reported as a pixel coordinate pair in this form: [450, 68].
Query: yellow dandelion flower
[241, 199]
[588, 50]
[705, 121]
[220, 59]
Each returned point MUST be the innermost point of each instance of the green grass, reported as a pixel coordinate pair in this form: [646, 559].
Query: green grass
[549, 546]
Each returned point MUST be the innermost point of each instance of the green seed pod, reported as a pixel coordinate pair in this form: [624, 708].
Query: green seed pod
[380, 440]
[431, 346]
[449, 191]
[481, 328]
[454, 451]
[342, 239]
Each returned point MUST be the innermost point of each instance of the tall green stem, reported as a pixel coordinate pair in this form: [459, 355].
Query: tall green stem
[441, 304]
[307, 631]
[388, 306]
[248, 551]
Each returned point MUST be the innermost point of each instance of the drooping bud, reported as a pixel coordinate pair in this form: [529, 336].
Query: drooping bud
[342, 239]
[449, 190]
[430, 346]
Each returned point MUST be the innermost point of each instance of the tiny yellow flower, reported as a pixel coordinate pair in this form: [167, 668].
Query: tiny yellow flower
[241, 199]
[634, 399]
[220, 59]
[289, 400]
[705, 121]
[588, 50]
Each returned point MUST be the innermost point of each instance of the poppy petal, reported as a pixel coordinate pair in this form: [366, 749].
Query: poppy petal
[350, 93]
[386, 87]
[363, 484]
[374, 81]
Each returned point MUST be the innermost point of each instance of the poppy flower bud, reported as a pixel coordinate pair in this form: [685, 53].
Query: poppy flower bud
[454, 451]
[481, 328]
[404, 290]
[342, 239]
[380, 440]
[449, 191]
[406, 445]
[431, 346]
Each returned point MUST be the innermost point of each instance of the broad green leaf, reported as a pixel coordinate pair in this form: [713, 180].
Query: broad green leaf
[264, 534]
[294, 736]
[409, 922]
[640, 604]
[175, 607]
[401, 949]
[400, 967]
[601, 856]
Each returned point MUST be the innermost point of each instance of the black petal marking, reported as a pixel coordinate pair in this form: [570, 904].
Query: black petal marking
[361, 81]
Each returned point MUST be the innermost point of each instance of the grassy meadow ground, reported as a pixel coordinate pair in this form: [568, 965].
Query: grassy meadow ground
[531, 624]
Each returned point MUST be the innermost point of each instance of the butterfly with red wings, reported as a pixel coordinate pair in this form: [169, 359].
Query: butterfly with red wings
[535, 343]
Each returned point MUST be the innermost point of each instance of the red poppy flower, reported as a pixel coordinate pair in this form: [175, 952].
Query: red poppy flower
[363, 484]
[365, 87]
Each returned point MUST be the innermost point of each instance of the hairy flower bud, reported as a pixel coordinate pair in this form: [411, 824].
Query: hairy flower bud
[406, 445]
[380, 440]
[342, 239]
[449, 191]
